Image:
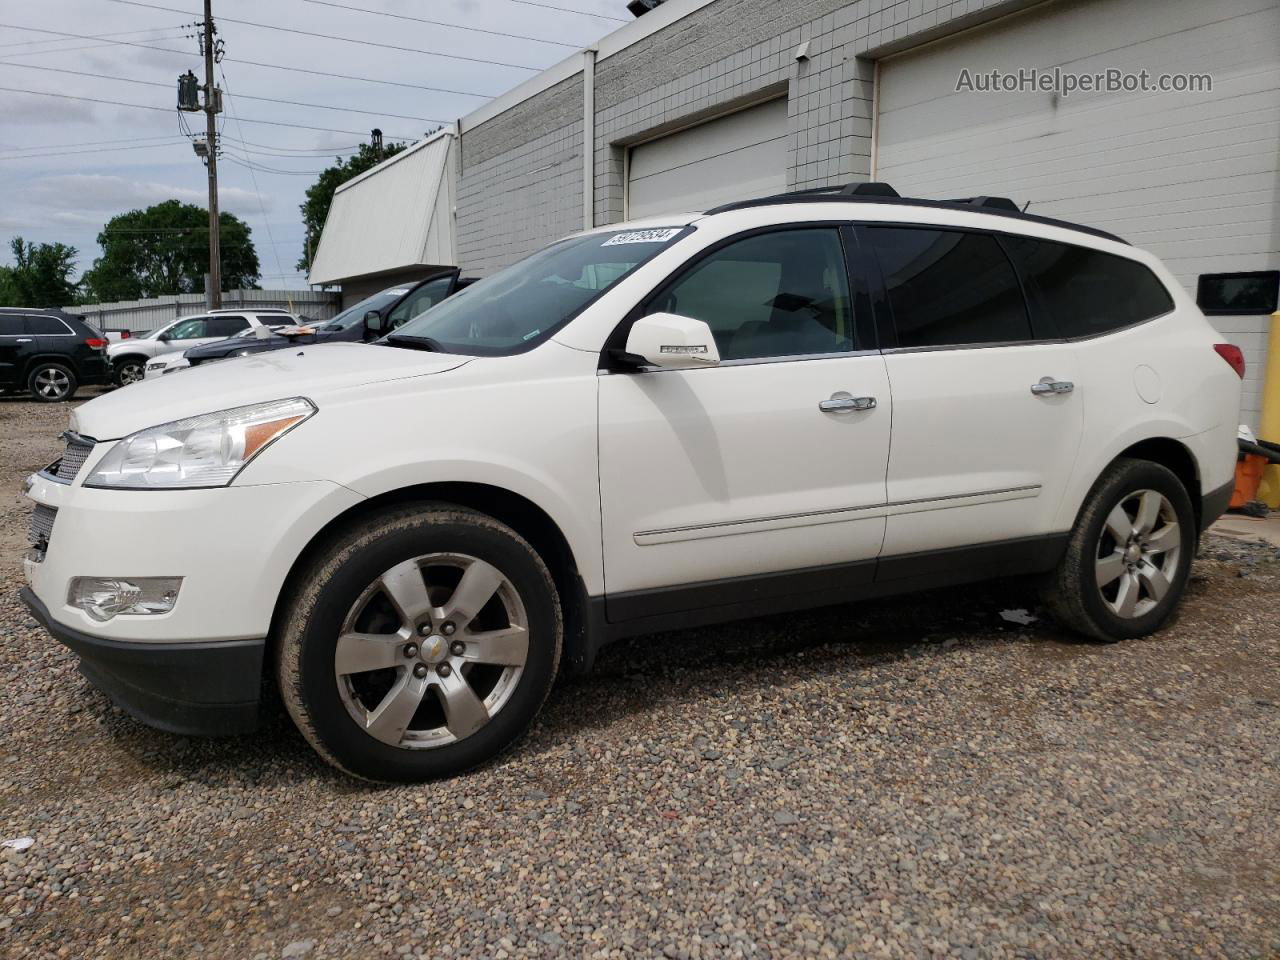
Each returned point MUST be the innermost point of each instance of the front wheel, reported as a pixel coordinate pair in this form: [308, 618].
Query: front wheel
[420, 644]
[1129, 555]
[129, 371]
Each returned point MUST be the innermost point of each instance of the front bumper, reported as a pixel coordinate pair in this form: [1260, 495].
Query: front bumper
[190, 688]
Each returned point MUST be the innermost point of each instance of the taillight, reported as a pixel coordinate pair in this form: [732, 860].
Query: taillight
[95, 342]
[1233, 355]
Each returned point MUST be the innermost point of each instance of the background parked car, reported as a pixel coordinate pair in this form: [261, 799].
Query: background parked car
[231, 346]
[367, 320]
[50, 353]
[129, 357]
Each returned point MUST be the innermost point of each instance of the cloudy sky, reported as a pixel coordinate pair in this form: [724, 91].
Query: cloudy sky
[69, 165]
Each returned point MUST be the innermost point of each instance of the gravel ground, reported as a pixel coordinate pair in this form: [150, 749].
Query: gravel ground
[909, 778]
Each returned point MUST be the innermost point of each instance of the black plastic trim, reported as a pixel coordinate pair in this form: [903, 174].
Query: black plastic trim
[1214, 504]
[206, 689]
[693, 605]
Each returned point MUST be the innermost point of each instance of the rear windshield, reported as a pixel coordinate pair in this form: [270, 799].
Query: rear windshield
[524, 304]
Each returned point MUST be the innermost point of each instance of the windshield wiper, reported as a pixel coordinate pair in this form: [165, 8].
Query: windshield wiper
[415, 343]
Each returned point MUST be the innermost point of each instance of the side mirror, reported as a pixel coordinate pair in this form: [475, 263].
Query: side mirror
[164, 338]
[372, 325]
[674, 342]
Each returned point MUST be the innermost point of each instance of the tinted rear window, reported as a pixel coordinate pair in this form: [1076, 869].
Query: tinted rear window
[950, 288]
[11, 326]
[1083, 292]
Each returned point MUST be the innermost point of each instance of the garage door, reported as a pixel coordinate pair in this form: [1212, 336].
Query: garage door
[736, 157]
[1192, 177]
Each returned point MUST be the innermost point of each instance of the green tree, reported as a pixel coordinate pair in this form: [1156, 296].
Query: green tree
[40, 275]
[320, 193]
[164, 250]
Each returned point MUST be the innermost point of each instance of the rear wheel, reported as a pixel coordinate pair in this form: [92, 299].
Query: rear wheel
[51, 382]
[420, 645]
[1129, 555]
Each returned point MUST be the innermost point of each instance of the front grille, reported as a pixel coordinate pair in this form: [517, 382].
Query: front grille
[73, 458]
[41, 525]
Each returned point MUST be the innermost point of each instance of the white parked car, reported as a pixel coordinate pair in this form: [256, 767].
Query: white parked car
[779, 404]
[129, 358]
[172, 362]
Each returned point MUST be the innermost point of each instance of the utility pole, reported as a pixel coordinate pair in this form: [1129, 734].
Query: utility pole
[212, 106]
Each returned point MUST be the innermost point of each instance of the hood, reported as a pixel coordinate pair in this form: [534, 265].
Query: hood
[123, 346]
[315, 372]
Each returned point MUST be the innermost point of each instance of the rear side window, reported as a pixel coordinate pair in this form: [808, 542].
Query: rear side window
[225, 326]
[1083, 292]
[950, 288]
[11, 326]
[46, 326]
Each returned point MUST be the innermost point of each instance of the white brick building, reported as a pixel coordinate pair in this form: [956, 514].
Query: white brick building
[703, 100]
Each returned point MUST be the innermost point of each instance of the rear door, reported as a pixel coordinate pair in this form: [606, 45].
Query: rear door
[715, 481]
[987, 416]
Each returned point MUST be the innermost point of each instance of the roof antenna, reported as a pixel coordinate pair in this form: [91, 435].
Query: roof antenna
[1025, 205]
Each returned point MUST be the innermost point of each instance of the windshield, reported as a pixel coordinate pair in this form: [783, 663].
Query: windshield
[524, 304]
[355, 314]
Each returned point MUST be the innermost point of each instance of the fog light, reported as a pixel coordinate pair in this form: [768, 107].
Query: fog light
[105, 597]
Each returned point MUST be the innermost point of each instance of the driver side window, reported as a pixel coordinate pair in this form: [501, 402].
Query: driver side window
[778, 294]
[421, 300]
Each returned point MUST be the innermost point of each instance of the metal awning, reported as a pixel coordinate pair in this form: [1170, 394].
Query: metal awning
[394, 216]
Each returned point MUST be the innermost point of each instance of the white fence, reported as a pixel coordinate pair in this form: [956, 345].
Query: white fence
[138, 316]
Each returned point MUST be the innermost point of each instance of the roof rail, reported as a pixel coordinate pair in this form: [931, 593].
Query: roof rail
[990, 203]
[876, 192]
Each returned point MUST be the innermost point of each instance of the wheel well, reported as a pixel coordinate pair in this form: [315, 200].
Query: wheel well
[1172, 454]
[58, 358]
[519, 513]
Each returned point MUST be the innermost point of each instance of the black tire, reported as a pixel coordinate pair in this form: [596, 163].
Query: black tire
[333, 584]
[1072, 592]
[49, 382]
[129, 370]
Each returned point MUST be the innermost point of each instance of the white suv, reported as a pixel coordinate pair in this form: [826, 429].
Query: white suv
[778, 404]
[129, 357]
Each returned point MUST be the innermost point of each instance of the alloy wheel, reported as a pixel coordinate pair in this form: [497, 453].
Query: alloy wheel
[131, 373]
[51, 383]
[432, 650]
[1138, 553]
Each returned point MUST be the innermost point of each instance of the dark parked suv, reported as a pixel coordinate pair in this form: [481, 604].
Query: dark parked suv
[50, 353]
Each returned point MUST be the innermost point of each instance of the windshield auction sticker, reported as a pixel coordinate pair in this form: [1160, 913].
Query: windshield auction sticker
[661, 235]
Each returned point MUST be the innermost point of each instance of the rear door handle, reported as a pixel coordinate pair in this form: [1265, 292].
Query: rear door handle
[1048, 386]
[844, 403]
[23, 340]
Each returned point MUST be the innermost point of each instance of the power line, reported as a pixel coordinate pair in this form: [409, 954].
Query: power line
[87, 46]
[330, 36]
[585, 13]
[251, 166]
[100, 36]
[87, 143]
[275, 253]
[253, 63]
[143, 106]
[169, 86]
[439, 23]
[68, 153]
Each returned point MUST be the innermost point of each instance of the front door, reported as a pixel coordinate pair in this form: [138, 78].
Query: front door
[717, 479]
[987, 416]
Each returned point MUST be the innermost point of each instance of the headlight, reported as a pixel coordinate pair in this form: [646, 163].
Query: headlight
[204, 451]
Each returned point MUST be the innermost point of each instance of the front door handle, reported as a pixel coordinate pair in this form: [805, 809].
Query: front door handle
[23, 340]
[844, 403]
[1048, 386]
